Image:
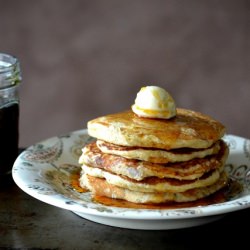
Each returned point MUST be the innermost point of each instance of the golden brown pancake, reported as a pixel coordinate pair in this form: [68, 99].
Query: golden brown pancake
[154, 184]
[157, 155]
[139, 170]
[188, 129]
[100, 187]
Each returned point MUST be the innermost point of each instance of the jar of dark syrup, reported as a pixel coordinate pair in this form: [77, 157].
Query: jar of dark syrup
[10, 78]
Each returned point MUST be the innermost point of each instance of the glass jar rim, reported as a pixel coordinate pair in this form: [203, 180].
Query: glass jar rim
[10, 62]
[10, 73]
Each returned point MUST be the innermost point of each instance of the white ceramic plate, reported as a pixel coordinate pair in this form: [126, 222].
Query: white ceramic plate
[45, 169]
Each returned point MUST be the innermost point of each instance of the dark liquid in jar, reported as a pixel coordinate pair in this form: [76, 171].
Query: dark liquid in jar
[9, 135]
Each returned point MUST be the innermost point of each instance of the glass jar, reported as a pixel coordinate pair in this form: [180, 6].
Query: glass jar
[10, 78]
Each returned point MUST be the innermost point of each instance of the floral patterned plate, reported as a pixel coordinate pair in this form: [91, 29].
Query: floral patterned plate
[45, 172]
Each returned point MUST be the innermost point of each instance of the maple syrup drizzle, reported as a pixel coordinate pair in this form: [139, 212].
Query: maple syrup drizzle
[232, 189]
[74, 182]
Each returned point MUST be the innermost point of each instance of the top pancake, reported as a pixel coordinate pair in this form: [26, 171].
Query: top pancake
[187, 129]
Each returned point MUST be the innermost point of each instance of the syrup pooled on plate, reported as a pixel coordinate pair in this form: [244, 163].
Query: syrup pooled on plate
[74, 181]
[232, 189]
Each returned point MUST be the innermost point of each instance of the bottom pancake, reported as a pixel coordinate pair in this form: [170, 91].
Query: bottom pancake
[100, 187]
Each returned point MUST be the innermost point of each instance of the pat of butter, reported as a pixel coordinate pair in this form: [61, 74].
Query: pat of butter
[154, 102]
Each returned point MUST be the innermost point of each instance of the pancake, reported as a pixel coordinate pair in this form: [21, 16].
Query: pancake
[139, 170]
[156, 155]
[188, 129]
[154, 184]
[100, 187]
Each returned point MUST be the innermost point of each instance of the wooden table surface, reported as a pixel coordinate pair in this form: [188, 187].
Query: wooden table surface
[27, 223]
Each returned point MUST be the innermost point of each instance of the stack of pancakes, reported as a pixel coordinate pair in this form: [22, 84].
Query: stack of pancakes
[147, 160]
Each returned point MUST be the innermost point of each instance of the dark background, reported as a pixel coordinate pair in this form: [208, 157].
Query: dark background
[82, 59]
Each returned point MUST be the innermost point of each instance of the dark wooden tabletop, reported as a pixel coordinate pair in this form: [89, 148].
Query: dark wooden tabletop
[28, 223]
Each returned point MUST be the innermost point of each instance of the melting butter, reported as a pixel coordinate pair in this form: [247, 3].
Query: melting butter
[154, 102]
